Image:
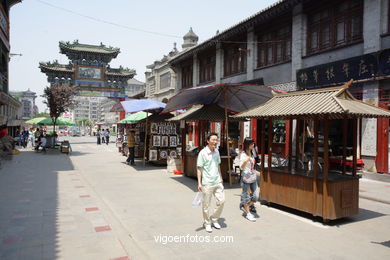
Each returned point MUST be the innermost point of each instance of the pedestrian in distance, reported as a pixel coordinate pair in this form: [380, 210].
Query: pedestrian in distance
[210, 182]
[98, 136]
[31, 134]
[107, 136]
[24, 137]
[131, 145]
[249, 178]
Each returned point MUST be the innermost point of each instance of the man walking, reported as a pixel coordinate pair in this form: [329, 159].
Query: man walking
[210, 182]
[130, 145]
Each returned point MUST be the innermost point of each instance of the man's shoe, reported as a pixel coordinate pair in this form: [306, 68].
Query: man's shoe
[208, 228]
[216, 225]
[250, 217]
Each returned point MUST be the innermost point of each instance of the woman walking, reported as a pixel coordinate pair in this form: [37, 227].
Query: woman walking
[249, 178]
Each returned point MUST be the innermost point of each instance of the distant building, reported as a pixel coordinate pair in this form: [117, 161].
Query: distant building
[106, 116]
[161, 78]
[86, 108]
[27, 98]
[9, 106]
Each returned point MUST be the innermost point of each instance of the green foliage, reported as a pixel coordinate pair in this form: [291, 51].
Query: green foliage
[58, 98]
[42, 114]
[85, 122]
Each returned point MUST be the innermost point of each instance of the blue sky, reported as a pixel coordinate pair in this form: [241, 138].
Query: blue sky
[37, 27]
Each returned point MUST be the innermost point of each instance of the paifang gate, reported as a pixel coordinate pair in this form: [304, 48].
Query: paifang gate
[89, 71]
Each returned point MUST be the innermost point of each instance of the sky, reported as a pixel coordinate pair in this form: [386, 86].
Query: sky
[144, 30]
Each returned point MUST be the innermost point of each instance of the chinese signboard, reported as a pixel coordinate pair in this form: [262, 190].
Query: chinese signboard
[100, 94]
[356, 68]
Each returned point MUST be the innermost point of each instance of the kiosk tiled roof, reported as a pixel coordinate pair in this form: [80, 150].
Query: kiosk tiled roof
[333, 103]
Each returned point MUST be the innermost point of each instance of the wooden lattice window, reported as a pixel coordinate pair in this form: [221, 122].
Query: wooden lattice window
[274, 46]
[234, 58]
[336, 24]
[206, 68]
[186, 80]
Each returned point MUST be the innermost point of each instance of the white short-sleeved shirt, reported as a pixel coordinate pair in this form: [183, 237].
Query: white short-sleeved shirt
[249, 166]
[209, 163]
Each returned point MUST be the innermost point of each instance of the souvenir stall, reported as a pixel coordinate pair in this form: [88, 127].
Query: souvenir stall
[149, 106]
[163, 140]
[131, 123]
[325, 122]
[235, 97]
[205, 116]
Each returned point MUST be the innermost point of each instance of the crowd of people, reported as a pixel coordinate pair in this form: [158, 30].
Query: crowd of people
[37, 138]
[103, 136]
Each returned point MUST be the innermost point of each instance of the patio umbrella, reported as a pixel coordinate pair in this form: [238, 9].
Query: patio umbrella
[136, 105]
[133, 118]
[60, 121]
[35, 121]
[236, 97]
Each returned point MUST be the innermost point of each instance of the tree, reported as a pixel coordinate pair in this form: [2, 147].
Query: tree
[85, 122]
[58, 98]
[43, 114]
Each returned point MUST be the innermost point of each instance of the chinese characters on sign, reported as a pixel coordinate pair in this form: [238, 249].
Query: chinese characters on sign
[356, 68]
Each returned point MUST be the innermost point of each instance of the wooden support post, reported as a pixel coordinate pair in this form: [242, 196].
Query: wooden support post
[263, 179]
[325, 169]
[315, 172]
[354, 146]
[297, 134]
[183, 146]
[146, 137]
[290, 133]
[262, 148]
[227, 136]
[345, 135]
[269, 148]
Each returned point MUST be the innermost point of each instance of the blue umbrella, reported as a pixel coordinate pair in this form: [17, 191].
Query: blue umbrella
[136, 105]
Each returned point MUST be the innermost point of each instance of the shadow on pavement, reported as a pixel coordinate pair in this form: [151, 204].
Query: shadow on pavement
[139, 166]
[363, 215]
[384, 243]
[192, 182]
[29, 209]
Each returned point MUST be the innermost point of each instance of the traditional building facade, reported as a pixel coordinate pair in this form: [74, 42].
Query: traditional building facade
[27, 98]
[161, 78]
[89, 72]
[303, 44]
[9, 106]
[134, 87]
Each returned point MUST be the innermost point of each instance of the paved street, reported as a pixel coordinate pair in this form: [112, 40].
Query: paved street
[90, 205]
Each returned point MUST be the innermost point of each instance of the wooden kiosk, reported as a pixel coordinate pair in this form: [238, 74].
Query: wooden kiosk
[326, 126]
[204, 114]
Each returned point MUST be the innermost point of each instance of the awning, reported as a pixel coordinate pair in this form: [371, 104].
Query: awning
[333, 103]
[134, 118]
[212, 113]
[136, 105]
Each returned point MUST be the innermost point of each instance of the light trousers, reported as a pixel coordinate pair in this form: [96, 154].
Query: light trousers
[207, 193]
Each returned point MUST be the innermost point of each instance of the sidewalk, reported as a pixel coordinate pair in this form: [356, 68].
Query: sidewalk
[90, 205]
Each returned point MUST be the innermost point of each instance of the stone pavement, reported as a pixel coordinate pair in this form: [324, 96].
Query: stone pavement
[90, 205]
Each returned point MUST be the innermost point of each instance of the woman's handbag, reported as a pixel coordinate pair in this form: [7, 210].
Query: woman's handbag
[249, 177]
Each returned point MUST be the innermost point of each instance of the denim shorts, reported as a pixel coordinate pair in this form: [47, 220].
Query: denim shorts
[246, 195]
